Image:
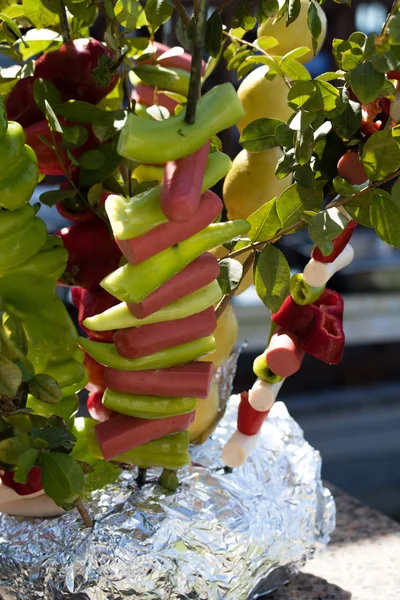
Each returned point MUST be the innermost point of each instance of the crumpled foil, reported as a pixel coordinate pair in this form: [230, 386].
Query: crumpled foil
[231, 536]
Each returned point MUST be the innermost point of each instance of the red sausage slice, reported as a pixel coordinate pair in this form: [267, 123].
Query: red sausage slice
[134, 342]
[121, 433]
[164, 236]
[191, 380]
[249, 420]
[351, 168]
[181, 185]
[179, 61]
[284, 354]
[196, 275]
[144, 94]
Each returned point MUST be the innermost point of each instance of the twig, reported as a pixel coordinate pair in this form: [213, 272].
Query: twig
[141, 478]
[197, 55]
[223, 303]
[87, 519]
[225, 5]
[389, 16]
[181, 12]
[66, 36]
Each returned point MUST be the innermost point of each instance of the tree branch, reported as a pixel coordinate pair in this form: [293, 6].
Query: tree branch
[87, 519]
[390, 15]
[181, 12]
[223, 303]
[197, 55]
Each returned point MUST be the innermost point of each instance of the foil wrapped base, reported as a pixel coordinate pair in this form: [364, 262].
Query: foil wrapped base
[231, 536]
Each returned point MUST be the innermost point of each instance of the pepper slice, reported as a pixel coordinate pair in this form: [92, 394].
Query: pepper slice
[147, 407]
[339, 244]
[318, 326]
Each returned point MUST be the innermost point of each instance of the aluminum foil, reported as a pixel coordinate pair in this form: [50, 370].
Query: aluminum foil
[221, 536]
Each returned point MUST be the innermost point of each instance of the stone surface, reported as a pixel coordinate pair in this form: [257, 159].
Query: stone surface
[362, 562]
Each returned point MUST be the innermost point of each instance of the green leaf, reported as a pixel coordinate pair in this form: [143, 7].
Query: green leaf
[41, 14]
[294, 70]
[92, 160]
[12, 448]
[10, 378]
[381, 155]
[43, 387]
[352, 57]
[331, 75]
[74, 136]
[394, 30]
[325, 97]
[300, 93]
[272, 277]
[284, 135]
[264, 222]
[103, 473]
[266, 9]
[52, 118]
[82, 10]
[259, 135]
[52, 197]
[56, 438]
[230, 274]
[348, 122]
[304, 176]
[43, 91]
[156, 76]
[184, 34]
[130, 14]
[13, 26]
[213, 40]
[366, 82]
[24, 464]
[266, 42]
[294, 201]
[314, 24]
[20, 423]
[157, 13]
[285, 165]
[359, 208]
[88, 177]
[293, 11]
[304, 145]
[13, 341]
[243, 16]
[344, 188]
[326, 226]
[385, 216]
[62, 477]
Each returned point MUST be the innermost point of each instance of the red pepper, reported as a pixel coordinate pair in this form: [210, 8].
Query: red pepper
[96, 374]
[249, 420]
[20, 104]
[318, 326]
[33, 483]
[75, 209]
[48, 162]
[80, 69]
[380, 106]
[96, 408]
[351, 168]
[90, 302]
[92, 251]
[339, 243]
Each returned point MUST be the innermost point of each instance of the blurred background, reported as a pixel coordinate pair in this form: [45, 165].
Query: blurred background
[349, 412]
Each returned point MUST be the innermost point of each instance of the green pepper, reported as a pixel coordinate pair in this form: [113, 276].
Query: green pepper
[66, 373]
[119, 316]
[147, 407]
[22, 295]
[15, 219]
[157, 142]
[301, 292]
[262, 370]
[131, 217]
[83, 430]
[74, 388]
[106, 354]
[169, 452]
[64, 409]
[22, 244]
[51, 335]
[19, 168]
[132, 283]
[48, 262]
